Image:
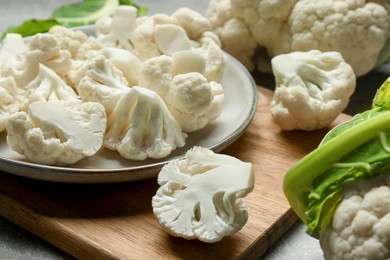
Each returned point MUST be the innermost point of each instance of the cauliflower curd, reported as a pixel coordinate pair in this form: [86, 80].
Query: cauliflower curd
[136, 87]
[358, 29]
[361, 223]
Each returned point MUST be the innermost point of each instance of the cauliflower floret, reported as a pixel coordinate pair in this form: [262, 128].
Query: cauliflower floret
[10, 98]
[200, 196]
[193, 22]
[11, 46]
[312, 89]
[361, 224]
[57, 133]
[103, 83]
[41, 49]
[118, 31]
[358, 30]
[193, 101]
[190, 97]
[68, 39]
[125, 61]
[47, 86]
[140, 126]
[156, 74]
[144, 40]
[88, 48]
[161, 34]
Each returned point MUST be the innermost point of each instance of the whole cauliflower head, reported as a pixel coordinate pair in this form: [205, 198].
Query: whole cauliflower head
[200, 195]
[312, 89]
[57, 132]
[361, 224]
[359, 30]
[141, 126]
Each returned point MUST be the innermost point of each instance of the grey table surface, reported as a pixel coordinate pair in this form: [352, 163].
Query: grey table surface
[16, 243]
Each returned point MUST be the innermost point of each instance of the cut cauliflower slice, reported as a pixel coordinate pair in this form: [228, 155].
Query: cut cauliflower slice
[41, 49]
[200, 196]
[10, 98]
[47, 86]
[312, 89]
[140, 126]
[361, 223]
[57, 133]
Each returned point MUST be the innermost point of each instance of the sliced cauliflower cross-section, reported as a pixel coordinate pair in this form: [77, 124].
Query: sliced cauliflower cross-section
[312, 89]
[140, 126]
[58, 132]
[200, 196]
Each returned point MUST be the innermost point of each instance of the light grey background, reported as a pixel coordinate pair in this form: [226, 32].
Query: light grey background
[16, 243]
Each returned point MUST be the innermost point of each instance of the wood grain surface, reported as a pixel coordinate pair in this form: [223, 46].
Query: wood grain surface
[115, 221]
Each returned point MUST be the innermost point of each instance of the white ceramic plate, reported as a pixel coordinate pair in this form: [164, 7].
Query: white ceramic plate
[108, 166]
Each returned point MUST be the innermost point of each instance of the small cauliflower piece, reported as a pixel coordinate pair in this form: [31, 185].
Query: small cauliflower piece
[10, 98]
[312, 89]
[69, 39]
[200, 196]
[190, 97]
[171, 38]
[103, 83]
[361, 223]
[47, 86]
[41, 49]
[125, 61]
[57, 133]
[140, 126]
[118, 31]
[11, 46]
[193, 101]
[156, 74]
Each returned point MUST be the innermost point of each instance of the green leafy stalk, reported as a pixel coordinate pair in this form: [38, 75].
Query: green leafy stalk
[84, 13]
[353, 151]
[32, 27]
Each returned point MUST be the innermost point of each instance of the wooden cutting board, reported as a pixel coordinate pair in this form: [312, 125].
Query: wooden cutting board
[115, 221]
